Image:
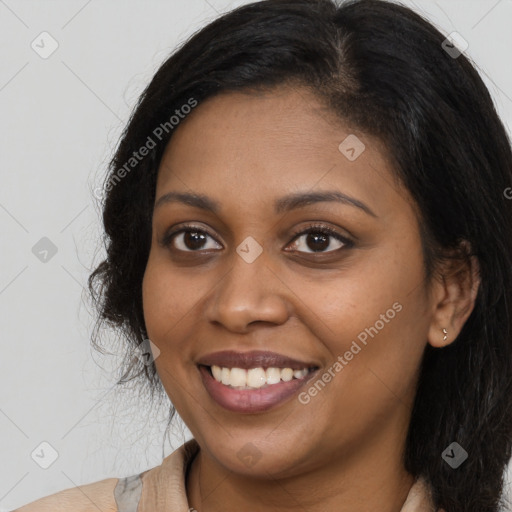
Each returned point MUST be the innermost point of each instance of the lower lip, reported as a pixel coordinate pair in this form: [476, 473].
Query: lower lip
[251, 400]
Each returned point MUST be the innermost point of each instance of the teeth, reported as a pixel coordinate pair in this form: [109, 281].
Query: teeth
[217, 373]
[225, 376]
[286, 374]
[255, 377]
[237, 377]
[273, 375]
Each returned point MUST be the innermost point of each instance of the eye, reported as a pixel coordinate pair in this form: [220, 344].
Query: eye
[318, 238]
[192, 239]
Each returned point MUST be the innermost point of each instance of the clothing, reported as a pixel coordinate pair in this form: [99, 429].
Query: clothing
[162, 489]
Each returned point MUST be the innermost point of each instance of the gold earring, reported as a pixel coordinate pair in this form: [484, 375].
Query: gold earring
[445, 332]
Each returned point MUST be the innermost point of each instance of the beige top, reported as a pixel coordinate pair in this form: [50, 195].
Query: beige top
[161, 489]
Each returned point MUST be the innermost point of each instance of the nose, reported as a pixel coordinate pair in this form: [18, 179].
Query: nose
[249, 293]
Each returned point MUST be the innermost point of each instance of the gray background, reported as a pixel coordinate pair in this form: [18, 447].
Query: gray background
[61, 118]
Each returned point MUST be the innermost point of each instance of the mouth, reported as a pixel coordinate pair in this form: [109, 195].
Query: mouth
[256, 378]
[253, 382]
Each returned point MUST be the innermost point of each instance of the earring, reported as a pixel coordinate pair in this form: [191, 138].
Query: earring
[445, 332]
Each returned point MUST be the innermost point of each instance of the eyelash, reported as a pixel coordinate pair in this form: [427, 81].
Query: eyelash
[312, 228]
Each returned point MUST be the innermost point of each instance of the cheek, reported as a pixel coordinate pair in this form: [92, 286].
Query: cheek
[374, 319]
[155, 299]
[164, 304]
[173, 299]
[166, 300]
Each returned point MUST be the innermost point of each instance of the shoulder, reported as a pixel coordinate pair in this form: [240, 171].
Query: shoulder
[84, 498]
[420, 498]
[161, 485]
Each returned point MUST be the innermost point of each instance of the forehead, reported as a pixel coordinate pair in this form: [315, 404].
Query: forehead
[253, 147]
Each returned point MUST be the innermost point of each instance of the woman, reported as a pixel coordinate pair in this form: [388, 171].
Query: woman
[307, 216]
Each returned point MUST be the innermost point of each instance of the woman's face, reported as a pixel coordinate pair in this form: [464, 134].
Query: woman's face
[243, 279]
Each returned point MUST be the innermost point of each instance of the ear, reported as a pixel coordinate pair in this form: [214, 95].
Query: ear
[453, 297]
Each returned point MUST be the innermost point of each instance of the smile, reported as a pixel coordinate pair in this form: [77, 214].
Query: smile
[254, 390]
[255, 378]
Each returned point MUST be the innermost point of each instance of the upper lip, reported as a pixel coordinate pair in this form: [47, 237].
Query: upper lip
[252, 359]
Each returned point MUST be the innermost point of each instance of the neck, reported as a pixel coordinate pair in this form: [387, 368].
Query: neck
[371, 480]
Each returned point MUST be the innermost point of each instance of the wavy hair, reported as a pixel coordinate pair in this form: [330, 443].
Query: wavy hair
[382, 69]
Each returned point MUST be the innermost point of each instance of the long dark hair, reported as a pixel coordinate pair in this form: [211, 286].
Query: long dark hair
[384, 70]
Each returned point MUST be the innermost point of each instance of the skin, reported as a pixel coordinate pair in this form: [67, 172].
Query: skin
[343, 450]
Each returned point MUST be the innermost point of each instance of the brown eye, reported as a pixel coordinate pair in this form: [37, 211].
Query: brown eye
[320, 238]
[188, 240]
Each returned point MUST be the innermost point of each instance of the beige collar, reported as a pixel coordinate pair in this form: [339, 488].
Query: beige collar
[164, 486]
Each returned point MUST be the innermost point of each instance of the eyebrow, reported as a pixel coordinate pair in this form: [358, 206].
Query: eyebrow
[283, 204]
